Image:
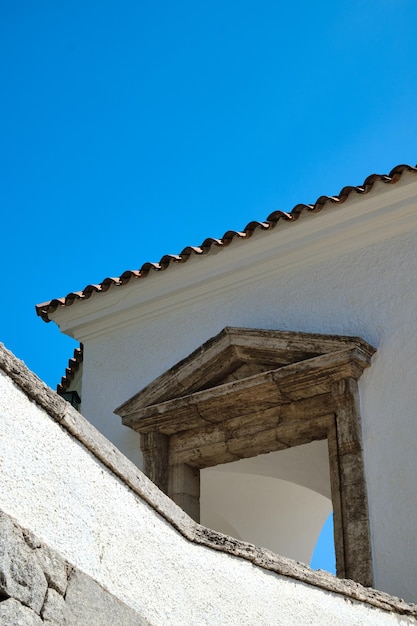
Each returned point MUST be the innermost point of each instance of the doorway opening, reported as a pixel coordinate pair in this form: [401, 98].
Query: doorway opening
[278, 500]
[246, 393]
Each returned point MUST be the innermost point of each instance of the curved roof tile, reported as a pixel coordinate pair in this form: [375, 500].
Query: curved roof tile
[46, 308]
[70, 372]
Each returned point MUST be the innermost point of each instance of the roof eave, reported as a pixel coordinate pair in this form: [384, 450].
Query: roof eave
[361, 219]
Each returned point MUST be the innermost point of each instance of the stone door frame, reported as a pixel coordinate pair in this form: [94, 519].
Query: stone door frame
[209, 410]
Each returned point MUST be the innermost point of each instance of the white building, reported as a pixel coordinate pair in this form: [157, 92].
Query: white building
[345, 266]
[317, 363]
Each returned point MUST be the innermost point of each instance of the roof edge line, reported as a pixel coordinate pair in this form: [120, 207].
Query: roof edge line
[45, 309]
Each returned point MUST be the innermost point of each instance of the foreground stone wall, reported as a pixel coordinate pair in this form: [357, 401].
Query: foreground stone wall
[38, 586]
[103, 543]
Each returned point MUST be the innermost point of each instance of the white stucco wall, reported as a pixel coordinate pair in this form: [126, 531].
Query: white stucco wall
[52, 485]
[369, 292]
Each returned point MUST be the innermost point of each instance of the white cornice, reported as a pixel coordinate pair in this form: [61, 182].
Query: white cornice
[387, 212]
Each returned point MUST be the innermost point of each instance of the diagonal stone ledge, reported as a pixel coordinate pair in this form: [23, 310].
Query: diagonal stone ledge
[77, 426]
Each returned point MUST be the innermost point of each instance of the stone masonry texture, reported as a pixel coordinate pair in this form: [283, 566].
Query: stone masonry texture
[37, 586]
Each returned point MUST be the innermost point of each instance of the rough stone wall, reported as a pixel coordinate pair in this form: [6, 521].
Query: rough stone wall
[38, 586]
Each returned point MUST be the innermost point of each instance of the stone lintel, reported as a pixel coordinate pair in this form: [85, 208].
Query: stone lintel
[223, 355]
[254, 394]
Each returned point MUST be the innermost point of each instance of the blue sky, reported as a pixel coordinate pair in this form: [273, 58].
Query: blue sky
[132, 129]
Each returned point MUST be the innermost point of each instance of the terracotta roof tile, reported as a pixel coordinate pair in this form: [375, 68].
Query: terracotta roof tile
[70, 372]
[46, 308]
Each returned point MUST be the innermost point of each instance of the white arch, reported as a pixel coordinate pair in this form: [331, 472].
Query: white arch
[278, 500]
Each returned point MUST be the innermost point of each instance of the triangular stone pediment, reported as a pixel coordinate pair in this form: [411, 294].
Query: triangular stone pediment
[248, 392]
[236, 354]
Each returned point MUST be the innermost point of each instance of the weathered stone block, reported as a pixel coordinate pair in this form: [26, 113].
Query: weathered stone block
[12, 613]
[88, 603]
[21, 576]
[54, 609]
[54, 568]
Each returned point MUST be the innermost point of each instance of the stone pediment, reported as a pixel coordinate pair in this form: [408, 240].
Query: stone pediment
[237, 366]
[249, 392]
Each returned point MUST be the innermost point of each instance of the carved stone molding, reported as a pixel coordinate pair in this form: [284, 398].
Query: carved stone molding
[249, 392]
